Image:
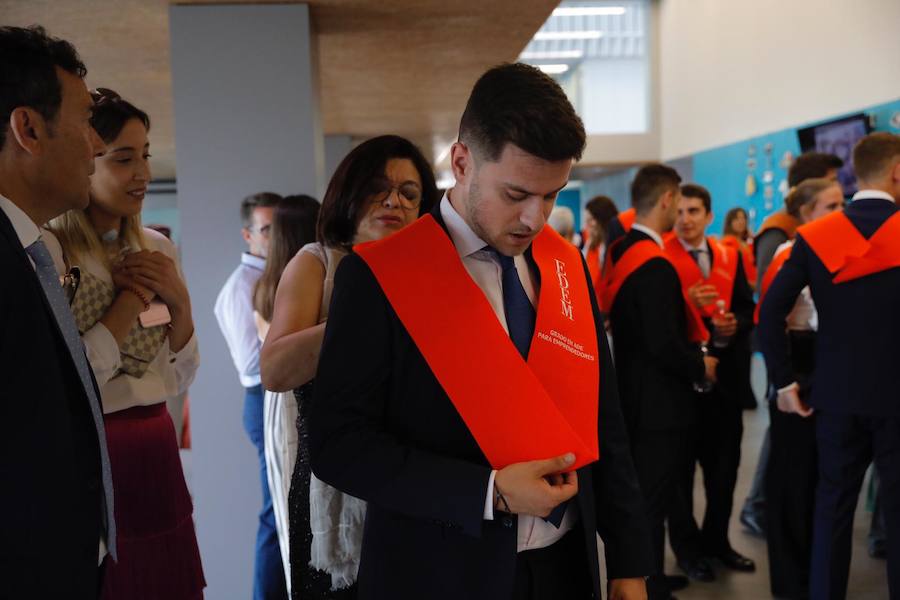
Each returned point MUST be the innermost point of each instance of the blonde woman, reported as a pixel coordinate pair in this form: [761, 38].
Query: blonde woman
[140, 358]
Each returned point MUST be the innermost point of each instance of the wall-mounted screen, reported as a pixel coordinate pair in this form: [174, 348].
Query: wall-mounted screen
[837, 137]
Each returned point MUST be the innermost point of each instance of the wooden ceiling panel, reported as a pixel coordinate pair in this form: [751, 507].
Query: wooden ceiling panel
[390, 66]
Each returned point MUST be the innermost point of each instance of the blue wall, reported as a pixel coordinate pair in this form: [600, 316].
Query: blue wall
[723, 170]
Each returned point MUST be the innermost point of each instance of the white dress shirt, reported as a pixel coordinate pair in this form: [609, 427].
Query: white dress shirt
[28, 233]
[234, 312]
[485, 270]
[873, 194]
[168, 375]
[644, 229]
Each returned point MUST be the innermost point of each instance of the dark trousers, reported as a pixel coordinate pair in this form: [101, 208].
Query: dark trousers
[715, 444]
[660, 459]
[557, 571]
[268, 571]
[791, 488]
[846, 445]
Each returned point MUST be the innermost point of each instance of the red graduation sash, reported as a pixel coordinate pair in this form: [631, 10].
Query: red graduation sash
[777, 262]
[746, 257]
[516, 411]
[722, 274]
[626, 218]
[846, 253]
[594, 267]
[616, 273]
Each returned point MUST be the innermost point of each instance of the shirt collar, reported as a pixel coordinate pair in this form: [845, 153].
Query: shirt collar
[702, 247]
[466, 241]
[873, 194]
[24, 227]
[254, 262]
[655, 236]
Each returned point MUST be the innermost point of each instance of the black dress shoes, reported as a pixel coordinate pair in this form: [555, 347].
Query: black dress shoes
[736, 562]
[676, 582]
[698, 570]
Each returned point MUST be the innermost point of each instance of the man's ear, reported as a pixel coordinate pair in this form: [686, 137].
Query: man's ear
[245, 233]
[28, 128]
[462, 162]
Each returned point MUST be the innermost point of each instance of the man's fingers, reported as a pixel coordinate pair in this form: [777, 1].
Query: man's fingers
[554, 465]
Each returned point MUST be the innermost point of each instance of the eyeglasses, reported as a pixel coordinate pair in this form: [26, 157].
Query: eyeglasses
[409, 193]
[104, 96]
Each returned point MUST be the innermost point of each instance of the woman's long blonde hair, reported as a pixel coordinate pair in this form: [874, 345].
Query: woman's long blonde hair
[79, 239]
[74, 230]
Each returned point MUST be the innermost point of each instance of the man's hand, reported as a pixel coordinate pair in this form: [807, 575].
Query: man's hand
[726, 325]
[788, 401]
[537, 487]
[711, 362]
[703, 294]
[628, 589]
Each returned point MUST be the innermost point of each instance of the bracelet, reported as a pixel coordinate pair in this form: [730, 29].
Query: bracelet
[502, 499]
[140, 295]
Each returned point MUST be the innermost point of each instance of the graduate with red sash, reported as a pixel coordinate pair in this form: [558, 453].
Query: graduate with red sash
[713, 281]
[793, 470]
[850, 261]
[465, 388]
[656, 362]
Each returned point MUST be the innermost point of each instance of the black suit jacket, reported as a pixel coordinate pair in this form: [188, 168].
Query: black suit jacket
[859, 326]
[656, 363]
[384, 430]
[51, 506]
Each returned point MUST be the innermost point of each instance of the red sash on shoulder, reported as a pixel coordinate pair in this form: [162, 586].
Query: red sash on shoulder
[777, 262]
[746, 257]
[615, 274]
[780, 220]
[724, 270]
[846, 253]
[593, 263]
[516, 411]
[626, 218]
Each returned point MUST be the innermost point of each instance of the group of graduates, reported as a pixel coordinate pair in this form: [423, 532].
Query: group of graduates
[681, 315]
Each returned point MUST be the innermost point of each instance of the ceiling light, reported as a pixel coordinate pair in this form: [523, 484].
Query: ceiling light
[567, 35]
[553, 69]
[558, 54]
[588, 11]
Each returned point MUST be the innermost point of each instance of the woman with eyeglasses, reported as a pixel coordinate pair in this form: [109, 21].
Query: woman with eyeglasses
[383, 185]
[134, 313]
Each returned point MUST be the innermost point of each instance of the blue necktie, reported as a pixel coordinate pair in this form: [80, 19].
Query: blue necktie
[49, 278]
[520, 319]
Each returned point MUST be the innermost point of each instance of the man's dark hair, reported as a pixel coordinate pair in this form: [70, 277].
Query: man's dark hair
[520, 105]
[28, 61]
[874, 154]
[260, 200]
[650, 183]
[357, 178]
[812, 164]
[692, 190]
[112, 112]
[603, 209]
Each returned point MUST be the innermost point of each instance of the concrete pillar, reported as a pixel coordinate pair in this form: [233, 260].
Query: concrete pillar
[246, 120]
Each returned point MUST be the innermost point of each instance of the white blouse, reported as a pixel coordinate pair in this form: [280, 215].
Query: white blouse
[170, 373]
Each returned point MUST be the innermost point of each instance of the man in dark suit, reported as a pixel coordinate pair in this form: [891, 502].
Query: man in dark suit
[711, 273]
[442, 523]
[656, 363]
[56, 505]
[849, 260]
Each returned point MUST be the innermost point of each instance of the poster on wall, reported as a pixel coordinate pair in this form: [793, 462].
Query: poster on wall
[837, 137]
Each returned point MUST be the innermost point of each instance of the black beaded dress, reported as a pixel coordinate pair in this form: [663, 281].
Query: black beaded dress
[306, 583]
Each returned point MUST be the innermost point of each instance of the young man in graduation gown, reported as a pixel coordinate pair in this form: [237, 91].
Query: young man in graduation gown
[850, 261]
[715, 286]
[657, 352]
[465, 374]
[778, 228]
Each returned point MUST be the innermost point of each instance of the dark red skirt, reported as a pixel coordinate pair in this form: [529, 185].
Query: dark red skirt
[158, 557]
